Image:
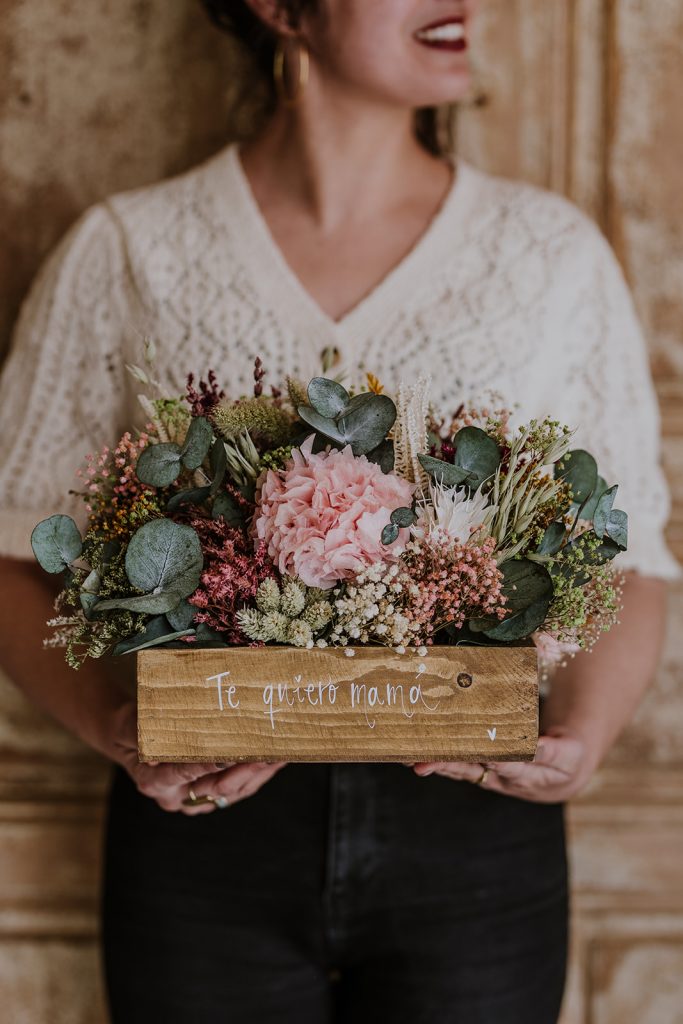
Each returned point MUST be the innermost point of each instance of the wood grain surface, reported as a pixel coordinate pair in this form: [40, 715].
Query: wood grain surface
[283, 703]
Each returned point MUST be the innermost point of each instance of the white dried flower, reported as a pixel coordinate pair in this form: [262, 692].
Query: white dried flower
[268, 596]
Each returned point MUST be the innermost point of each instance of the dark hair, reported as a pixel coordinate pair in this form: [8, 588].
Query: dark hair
[433, 125]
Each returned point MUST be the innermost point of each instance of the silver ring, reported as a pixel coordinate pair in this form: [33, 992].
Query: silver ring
[221, 801]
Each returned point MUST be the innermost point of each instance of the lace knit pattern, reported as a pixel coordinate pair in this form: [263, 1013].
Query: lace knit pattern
[511, 290]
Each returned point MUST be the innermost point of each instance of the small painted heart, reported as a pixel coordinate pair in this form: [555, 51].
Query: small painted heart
[492, 734]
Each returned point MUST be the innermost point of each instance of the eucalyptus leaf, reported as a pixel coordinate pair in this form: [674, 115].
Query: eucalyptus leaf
[383, 456]
[390, 533]
[443, 472]
[194, 496]
[403, 516]
[56, 543]
[327, 397]
[88, 601]
[367, 423]
[322, 424]
[552, 539]
[164, 556]
[157, 631]
[225, 505]
[219, 464]
[580, 471]
[197, 443]
[617, 528]
[476, 454]
[603, 510]
[528, 588]
[207, 637]
[149, 604]
[182, 616]
[159, 465]
[588, 510]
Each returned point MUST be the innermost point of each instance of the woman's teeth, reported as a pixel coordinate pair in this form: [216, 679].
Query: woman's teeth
[451, 33]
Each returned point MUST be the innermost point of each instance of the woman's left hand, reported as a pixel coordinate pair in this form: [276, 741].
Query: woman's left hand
[562, 766]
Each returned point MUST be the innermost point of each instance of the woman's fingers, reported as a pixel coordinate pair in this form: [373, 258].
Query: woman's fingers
[241, 781]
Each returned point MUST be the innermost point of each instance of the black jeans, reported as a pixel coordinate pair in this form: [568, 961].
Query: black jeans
[346, 892]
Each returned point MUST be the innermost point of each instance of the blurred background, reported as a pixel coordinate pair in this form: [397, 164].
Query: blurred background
[581, 96]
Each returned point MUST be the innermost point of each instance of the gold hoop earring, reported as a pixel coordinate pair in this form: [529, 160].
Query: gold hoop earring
[279, 72]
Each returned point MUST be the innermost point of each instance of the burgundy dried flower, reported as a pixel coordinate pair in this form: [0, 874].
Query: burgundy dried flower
[259, 374]
[231, 576]
[205, 400]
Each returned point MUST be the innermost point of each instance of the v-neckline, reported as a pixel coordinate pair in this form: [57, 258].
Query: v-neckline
[284, 286]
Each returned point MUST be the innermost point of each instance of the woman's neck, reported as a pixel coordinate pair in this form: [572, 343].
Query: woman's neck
[342, 160]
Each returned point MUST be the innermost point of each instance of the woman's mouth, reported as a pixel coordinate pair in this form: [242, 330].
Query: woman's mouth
[448, 34]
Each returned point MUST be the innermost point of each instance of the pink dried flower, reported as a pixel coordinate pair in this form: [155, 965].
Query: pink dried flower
[322, 516]
[230, 578]
[452, 582]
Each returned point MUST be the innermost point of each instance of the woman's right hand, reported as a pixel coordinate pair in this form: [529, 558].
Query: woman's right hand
[169, 783]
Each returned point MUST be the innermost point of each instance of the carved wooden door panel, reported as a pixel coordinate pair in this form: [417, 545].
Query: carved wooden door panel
[586, 97]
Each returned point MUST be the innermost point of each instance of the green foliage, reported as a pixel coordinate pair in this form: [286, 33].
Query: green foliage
[163, 561]
[579, 471]
[477, 457]
[160, 465]
[528, 588]
[362, 421]
[383, 456]
[56, 543]
[157, 631]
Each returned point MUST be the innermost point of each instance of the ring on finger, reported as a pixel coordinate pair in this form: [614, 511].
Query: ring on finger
[481, 781]
[192, 800]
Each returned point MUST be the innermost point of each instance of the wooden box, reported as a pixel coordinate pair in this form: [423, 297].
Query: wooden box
[331, 704]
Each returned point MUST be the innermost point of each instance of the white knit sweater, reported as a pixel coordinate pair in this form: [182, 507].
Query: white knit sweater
[510, 288]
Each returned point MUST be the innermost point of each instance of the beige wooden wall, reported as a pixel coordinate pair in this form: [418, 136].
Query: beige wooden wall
[582, 96]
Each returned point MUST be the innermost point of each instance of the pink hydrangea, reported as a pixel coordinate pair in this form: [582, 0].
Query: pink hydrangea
[322, 516]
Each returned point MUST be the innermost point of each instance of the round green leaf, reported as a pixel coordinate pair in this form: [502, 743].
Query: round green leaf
[390, 533]
[367, 423]
[327, 397]
[182, 615]
[159, 464]
[197, 443]
[552, 539]
[383, 456]
[443, 472]
[403, 516]
[476, 454]
[528, 587]
[588, 510]
[56, 543]
[195, 496]
[616, 528]
[225, 505]
[580, 472]
[164, 556]
[157, 631]
[149, 604]
[603, 510]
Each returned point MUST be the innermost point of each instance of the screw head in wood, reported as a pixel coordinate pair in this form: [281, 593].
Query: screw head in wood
[464, 679]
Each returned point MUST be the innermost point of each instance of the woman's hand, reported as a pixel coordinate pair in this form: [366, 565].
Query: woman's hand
[562, 766]
[169, 783]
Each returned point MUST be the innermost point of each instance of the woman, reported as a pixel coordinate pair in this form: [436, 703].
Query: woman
[363, 891]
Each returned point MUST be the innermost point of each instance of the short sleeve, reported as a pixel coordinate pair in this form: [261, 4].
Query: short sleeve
[62, 385]
[609, 396]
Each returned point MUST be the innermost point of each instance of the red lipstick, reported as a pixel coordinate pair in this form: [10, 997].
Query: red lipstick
[445, 34]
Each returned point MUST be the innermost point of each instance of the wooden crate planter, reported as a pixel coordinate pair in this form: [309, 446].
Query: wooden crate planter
[287, 704]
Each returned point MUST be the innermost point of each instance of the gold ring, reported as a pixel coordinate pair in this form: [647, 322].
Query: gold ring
[192, 799]
[483, 777]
